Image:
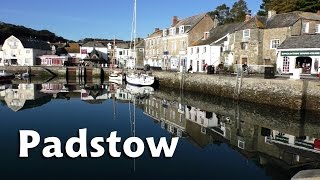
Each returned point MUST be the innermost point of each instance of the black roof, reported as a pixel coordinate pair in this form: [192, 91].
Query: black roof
[304, 41]
[35, 44]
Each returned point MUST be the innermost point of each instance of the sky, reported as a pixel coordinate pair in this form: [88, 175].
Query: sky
[107, 19]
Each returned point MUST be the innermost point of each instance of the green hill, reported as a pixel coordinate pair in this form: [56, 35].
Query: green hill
[6, 30]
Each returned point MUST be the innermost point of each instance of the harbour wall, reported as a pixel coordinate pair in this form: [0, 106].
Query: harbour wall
[53, 70]
[285, 93]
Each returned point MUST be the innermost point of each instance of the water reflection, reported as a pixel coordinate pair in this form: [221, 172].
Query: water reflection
[280, 142]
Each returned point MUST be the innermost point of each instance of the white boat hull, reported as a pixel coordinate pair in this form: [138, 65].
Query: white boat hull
[140, 80]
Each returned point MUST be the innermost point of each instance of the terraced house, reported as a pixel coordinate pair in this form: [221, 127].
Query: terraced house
[154, 49]
[181, 34]
[213, 48]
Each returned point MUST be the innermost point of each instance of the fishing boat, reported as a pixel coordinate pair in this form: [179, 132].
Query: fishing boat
[4, 76]
[137, 78]
[141, 92]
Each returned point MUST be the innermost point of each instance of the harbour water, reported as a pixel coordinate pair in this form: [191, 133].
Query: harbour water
[219, 138]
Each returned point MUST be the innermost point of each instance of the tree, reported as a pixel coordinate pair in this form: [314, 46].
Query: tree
[284, 6]
[222, 13]
[263, 8]
[239, 10]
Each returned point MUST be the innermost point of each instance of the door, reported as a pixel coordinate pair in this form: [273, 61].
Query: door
[198, 66]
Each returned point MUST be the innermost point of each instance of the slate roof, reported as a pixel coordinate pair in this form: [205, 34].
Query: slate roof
[217, 33]
[156, 34]
[93, 44]
[303, 41]
[190, 21]
[255, 22]
[35, 44]
[289, 19]
[140, 44]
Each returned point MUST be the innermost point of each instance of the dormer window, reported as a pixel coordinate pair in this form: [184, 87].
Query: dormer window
[305, 27]
[164, 32]
[206, 35]
[181, 29]
[172, 31]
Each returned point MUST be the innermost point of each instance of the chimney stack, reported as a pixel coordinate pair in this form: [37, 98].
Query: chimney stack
[271, 13]
[156, 29]
[248, 16]
[174, 20]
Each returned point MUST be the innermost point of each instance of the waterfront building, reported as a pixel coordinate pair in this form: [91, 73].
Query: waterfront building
[95, 59]
[24, 52]
[279, 27]
[1, 56]
[122, 53]
[180, 35]
[53, 60]
[87, 48]
[213, 48]
[154, 51]
[301, 52]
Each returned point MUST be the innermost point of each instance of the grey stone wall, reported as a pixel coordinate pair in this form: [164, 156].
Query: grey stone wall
[254, 52]
[293, 94]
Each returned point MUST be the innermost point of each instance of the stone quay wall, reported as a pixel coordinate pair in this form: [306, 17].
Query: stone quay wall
[45, 70]
[286, 93]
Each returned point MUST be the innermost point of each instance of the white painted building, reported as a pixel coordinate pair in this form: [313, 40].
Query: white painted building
[301, 52]
[24, 52]
[1, 57]
[88, 47]
[200, 56]
[53, 60]
[213, 48]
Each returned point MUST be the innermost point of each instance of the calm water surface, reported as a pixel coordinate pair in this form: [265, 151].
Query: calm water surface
[218, 138]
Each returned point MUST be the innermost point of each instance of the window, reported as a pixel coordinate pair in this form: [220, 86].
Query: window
[27, 51]
[198, 50]
[181, 29]
[158, 51]
[191, 51]
[206, 35]
[204, 49]
[241, 144]
[183, 45]
[318, 28]
[173, 31]
[286, 65]
[244, 46]
[275, 43]
[164, 33]
[305, 27]
[246, 33]
[158, 41]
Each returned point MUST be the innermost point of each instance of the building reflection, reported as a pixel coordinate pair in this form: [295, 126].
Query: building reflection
[23, 96]
[267, 145]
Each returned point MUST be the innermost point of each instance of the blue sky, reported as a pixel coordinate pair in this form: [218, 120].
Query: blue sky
[104, 19]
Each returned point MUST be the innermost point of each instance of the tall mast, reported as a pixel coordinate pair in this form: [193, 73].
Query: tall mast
[134, 32]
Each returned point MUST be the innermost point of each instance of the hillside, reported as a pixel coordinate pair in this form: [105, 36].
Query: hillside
[6, 30]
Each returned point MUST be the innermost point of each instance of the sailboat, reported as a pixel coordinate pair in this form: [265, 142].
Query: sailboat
[137, 79]
[115, 76]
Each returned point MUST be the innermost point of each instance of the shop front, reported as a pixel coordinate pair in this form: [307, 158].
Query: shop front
[306, 60]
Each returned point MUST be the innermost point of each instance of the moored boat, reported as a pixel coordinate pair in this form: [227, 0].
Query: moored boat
[4, 76]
